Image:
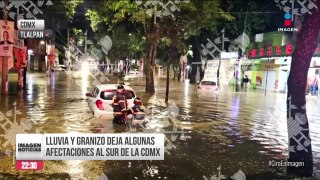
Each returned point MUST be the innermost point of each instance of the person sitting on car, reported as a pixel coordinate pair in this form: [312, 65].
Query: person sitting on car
[119, 104]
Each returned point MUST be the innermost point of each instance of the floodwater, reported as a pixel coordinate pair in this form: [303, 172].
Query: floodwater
[217, 135]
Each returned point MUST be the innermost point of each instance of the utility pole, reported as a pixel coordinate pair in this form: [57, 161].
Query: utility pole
[5, 58]
[85, 42]
[222, 49]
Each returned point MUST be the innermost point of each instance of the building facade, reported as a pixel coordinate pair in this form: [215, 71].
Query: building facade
[271, 59]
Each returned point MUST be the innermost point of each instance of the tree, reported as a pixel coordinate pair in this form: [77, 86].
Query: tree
[175, 47]
[78, 36]
[300, 149]
[115, 12]
[250, 17]
[190, 20]
[67, 7]
[201, 20]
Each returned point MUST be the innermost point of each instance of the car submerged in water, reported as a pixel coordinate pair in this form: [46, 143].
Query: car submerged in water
[208, 86]
[100, 99]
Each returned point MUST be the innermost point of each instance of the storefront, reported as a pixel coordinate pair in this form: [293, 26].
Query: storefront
[246, 67]
[283, 73]
[271, 67]
[264, 74]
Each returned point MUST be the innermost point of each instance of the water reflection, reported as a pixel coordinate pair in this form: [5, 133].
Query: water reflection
[235, 107]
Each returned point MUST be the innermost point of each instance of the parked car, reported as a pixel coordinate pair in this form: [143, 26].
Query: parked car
[100, 99]
[208, 85]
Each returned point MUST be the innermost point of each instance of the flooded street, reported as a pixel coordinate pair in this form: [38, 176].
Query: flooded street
[209, 135]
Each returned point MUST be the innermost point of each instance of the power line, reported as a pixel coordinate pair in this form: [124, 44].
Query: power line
[251, 20]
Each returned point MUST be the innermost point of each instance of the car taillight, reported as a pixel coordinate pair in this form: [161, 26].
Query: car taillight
[99, 104]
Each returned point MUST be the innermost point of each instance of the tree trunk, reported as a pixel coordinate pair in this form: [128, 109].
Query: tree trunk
[152, 50]
[195, 59]
[168, 78]
[179, 75]
[170, 59]
[174, 72]
[149, 70]
[300, 149]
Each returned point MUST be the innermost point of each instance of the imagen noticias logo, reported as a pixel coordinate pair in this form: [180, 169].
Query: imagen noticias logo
[287, 19]
[294, 7]
[288, 23]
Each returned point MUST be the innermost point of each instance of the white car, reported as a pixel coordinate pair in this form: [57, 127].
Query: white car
[100, 99]
[208, 85]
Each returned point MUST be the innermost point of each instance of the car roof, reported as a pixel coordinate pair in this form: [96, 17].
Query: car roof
[102, 87]
[208, 80]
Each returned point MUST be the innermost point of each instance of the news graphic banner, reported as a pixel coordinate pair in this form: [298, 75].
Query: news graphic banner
[33, 29]
[33, 149]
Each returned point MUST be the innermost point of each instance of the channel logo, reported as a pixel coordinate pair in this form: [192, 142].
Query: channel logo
[288, 23]
[287, 19]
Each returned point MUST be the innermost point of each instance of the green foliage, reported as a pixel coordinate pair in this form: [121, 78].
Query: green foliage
[77, 35]
[201, 15]
[67, 7]
[134, 66]
[113, 12]
[191, 19]
[94, 18]
[120, 45]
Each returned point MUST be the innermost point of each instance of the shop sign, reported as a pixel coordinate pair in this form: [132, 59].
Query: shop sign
[275, 51]
[268, 65]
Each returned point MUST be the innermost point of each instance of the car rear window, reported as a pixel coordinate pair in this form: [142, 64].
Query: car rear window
[108, 94]
[210, 83]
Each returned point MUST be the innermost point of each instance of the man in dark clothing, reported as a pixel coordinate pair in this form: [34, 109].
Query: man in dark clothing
[137, 110]
[119, 106]
[137, 115]
[246, 80]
